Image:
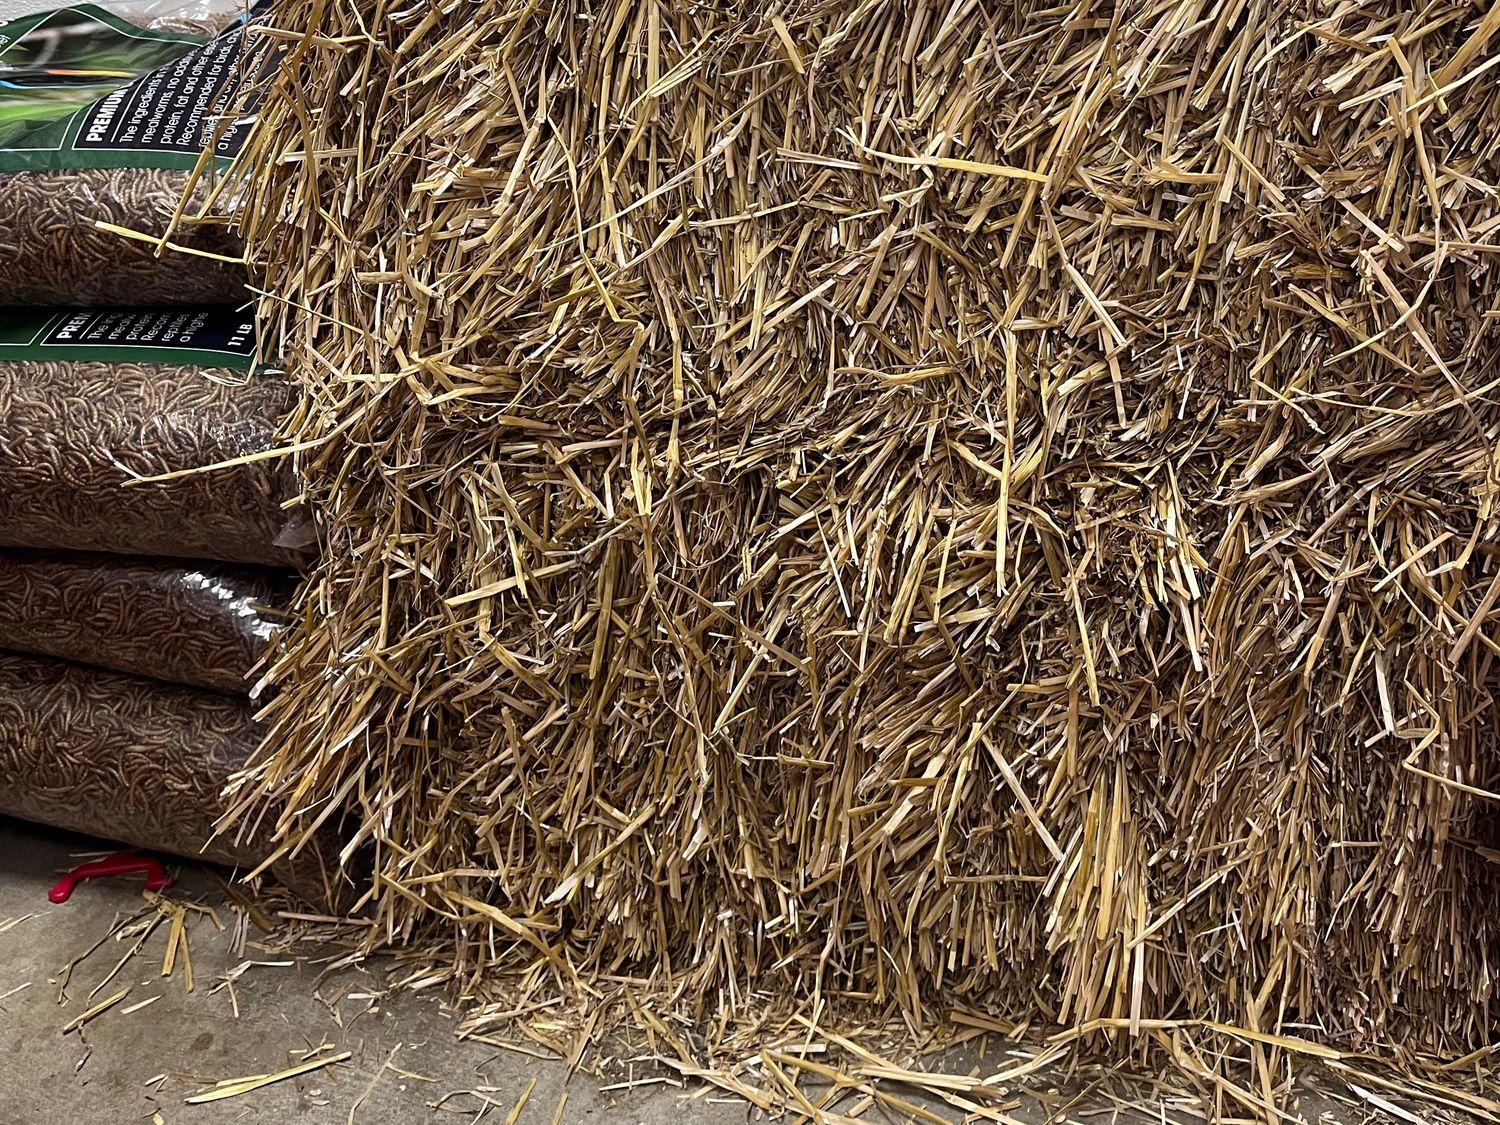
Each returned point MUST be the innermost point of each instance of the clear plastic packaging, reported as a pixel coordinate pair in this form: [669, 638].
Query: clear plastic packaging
[102, 129]
[76, 437]
[121, 757]
[199, 624]
[143, 432]
[52, 252]
[206, 17]
[134, 760]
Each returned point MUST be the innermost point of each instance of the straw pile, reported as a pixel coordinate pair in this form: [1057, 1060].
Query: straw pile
[930, 504]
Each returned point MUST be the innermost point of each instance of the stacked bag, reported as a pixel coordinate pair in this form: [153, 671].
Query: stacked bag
[138, 592]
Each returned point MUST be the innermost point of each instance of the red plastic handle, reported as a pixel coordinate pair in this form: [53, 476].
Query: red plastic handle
[121, 863]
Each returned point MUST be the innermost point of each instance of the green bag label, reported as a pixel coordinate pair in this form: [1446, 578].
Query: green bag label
[155, 100]
[54, 63]
[216, 337]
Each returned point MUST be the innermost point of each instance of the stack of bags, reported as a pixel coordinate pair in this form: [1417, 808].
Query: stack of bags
[137, 593]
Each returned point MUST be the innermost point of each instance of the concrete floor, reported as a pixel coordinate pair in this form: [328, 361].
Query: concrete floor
[110, 1072]
[141, 1065]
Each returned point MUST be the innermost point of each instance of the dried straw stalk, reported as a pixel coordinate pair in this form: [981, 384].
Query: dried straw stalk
[911, 501]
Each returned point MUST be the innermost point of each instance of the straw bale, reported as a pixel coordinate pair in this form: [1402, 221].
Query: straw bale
[903, 502]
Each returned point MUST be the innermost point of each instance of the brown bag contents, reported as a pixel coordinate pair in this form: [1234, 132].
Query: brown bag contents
[75, 433]
[198, 17]
[130, 759]
[121, 757]
[205, 625]
[51, 253]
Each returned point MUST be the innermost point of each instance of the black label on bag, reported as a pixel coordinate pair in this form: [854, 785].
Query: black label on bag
[176, 108]
[216, 337]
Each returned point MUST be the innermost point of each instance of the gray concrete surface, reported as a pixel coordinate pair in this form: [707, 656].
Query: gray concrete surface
[142, 1065]
[108, 1072]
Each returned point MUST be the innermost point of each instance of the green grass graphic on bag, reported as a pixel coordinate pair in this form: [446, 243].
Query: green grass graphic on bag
[54, 63]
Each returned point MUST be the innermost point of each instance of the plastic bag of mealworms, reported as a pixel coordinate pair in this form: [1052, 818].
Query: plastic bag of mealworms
[201, 624]
[94, 406]
[202, 17]
[102, 124]
[134, 760]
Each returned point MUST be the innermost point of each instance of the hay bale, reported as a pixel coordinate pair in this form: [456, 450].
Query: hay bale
[202, 625]
[81, 438]
[923, 504]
